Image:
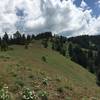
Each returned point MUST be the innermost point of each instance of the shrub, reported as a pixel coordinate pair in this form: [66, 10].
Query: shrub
[4, 56]
[17, 65]
[69, 88]
[44, 58]
[4, 94]
[27, 94]
[43, 95]
[45, 43]
[20, 83]
[60, 89]
[45, 81]
[31, 76]
[58, 79]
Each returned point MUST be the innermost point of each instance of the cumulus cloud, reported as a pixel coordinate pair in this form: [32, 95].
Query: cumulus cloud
[98, 3]
[58, 16]
[84, 5]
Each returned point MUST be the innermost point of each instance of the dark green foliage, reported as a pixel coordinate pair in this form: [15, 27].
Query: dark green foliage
[6, 38]
[45, 43]
[91, 61]
[28, 38]
[97, 68]
[79, 56]
[97, 61]
[22, 39]
[63, 52]
[4, 42]
[33, 36]
[58, 44]
[19, 82]
[45, 35]
[28, 94]
[91, 66]
[4, 45]
[91, 44]
[45, 81]
[86, 41]
[4, 94]
[17, 38]
[98, 78]
[44, 58]
[82, 41]
[61, 89]
[90, 54]
[43, 95]
[70, 49]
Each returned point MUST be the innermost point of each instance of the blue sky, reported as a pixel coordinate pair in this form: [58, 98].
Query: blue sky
[66, 17]
[92, 4]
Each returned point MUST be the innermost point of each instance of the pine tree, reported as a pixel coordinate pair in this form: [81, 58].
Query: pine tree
[4, 45]
[70, 49]
[79, 56]
[45, 43]
[98, 78]
[5, 37]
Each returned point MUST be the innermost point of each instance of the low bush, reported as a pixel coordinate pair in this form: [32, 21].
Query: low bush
[43, 95]
[28, 94]
[20, 82]
[45, 81]
[61, 89]
[4, 93]
[44, 59]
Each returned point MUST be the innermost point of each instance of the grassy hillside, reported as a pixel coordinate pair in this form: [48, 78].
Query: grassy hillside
[61, 78]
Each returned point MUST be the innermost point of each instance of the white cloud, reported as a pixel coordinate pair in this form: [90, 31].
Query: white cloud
[83, 4]
[98, 3]
[34, 16]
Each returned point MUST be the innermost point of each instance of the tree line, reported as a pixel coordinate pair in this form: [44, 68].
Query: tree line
[20, 39]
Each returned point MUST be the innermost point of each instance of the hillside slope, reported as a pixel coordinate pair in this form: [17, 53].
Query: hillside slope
[65, 80]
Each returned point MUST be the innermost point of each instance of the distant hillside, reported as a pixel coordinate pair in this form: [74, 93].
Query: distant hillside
[47, 67]
[87, 53]
[56, 77]
[85, 41]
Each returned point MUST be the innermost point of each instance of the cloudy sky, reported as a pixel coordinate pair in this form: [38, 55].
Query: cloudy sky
[66, 17]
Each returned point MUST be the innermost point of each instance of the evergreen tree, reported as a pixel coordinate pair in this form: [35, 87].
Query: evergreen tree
[45, 43]
[70, 49]
[63, 51]
[5, 37]
[79, 56]
[28, 38]
[97, 61]
[91, 61]
[17, 37]
[4, 45]
[98, 78]
[23, 39]
[33, 36]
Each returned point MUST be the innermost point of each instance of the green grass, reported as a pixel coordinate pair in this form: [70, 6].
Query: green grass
[20, 64]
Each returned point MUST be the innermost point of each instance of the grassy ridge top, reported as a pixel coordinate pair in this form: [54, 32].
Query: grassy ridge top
[19, 66]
